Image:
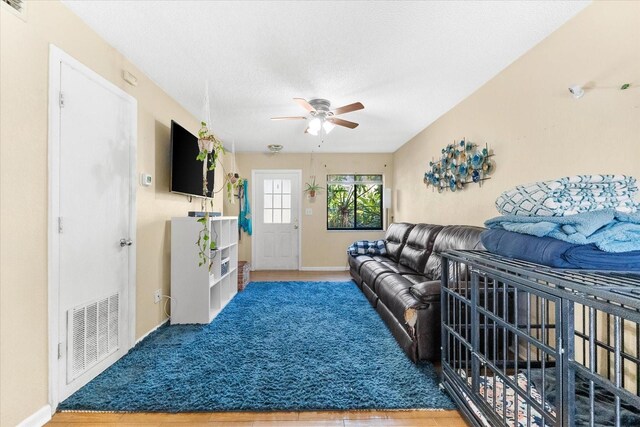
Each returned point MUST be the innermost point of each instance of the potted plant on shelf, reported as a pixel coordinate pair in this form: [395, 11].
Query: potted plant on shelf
[312, 188]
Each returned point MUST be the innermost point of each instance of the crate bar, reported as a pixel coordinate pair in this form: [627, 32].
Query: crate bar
[630, 311]
[564, 279]
[592, 364]
[567, 386]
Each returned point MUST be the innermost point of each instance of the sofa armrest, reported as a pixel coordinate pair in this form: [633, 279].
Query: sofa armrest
[427, 292]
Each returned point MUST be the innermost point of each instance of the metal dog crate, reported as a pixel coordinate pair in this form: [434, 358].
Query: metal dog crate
[527, 345]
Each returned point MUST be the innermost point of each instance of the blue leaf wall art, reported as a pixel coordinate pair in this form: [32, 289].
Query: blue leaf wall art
[460, 163]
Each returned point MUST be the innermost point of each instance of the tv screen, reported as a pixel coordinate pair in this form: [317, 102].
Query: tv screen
[186, 171]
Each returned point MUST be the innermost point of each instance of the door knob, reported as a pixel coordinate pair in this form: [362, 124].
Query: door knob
[295, 227]
[125, 242]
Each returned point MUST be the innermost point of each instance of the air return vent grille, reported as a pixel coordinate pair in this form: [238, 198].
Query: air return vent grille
[93, 334]
[17, 5]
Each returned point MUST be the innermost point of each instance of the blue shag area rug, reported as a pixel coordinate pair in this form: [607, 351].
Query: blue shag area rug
[275, 346]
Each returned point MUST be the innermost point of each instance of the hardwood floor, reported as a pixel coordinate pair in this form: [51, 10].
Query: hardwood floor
[304, 276]
[269, 419]
[264, 419]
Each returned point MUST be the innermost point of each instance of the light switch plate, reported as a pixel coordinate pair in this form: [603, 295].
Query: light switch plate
[308, 211]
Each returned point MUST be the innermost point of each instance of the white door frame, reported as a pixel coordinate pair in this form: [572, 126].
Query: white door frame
[56, 56]
[298, 172]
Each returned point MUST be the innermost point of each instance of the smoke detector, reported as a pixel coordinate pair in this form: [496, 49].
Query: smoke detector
[275, 148]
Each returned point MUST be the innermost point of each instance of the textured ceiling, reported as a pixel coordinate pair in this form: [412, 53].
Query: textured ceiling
[407, 62]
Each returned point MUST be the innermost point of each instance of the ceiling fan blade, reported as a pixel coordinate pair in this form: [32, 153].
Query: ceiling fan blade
[289, 118]
[345, 123]
[348, 108]
[304, 104]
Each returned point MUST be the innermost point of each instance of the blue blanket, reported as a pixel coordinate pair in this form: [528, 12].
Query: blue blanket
[556, 253]
[570, 195]
[607, 229]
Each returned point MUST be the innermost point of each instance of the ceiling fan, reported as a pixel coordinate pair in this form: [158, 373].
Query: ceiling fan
[321, 117]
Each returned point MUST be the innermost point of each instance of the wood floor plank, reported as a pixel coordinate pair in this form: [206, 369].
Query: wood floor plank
[395, 422]
[253, 416]
[303, 276]
[105, 424]
[212, 424]
[186, 417]
[452, 422]
[423, 413]
[85, 417]
[306, 423]
[341, 415]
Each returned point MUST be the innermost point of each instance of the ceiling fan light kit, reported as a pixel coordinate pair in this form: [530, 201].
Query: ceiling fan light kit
[321, 117]
[275, 148]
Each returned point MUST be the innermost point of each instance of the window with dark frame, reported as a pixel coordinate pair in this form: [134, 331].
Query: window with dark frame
[354, 202]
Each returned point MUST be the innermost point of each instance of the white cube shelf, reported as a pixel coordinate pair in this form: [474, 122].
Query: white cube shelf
[198, 293]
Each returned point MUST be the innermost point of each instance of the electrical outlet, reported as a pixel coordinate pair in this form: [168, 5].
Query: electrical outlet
[156, 296]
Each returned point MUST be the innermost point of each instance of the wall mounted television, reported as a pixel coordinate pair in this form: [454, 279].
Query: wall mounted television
[186, 171]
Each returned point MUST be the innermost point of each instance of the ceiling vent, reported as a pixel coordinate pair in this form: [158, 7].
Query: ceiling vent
[16, 6]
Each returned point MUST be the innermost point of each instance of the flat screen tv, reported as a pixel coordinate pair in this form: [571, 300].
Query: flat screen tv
[186, 171]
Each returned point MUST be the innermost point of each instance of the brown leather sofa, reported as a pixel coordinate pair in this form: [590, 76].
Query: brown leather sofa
[404, 285]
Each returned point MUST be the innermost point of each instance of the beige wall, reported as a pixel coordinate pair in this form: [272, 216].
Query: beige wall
[320, 248]
[527, 116]
[23, 167]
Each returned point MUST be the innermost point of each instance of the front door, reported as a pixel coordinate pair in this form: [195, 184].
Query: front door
[276, 227]
[95, 224]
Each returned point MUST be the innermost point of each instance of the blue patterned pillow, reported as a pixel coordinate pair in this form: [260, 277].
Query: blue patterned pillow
[366, 247]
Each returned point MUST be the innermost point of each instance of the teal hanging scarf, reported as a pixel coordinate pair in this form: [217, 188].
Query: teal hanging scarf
[244, 217]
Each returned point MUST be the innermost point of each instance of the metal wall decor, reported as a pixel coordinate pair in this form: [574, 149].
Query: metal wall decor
[460, 164]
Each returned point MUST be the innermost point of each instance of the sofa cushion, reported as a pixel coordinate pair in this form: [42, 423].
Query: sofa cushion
[416, 279]
[452, 237]
[371, 271]
[396, 237]
[397, 267]
[427, 292]
[355, 262]
[419, 246]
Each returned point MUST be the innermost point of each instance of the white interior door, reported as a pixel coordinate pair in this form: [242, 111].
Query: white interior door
[96, 225]
[276, 228]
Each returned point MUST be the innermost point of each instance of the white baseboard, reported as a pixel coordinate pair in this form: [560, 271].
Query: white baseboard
[37, 419]
[324, 268]
[150, 332]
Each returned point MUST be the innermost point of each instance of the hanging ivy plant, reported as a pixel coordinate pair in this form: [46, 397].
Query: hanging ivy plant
[210, 153]
[211, 149]
[233, 183]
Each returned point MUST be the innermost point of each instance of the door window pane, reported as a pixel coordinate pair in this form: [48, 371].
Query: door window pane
[268, 186]
[286, 186]
[277, 186]
[277, 216]
[277, 201]
[286, 201]
[268, 216]
[286, 216]
[268, 200]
